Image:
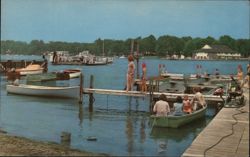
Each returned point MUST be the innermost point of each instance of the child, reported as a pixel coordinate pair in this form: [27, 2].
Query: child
[143, 79]
[187, 107]
[130, 73]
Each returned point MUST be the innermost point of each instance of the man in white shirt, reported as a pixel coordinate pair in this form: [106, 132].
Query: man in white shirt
[161, 107]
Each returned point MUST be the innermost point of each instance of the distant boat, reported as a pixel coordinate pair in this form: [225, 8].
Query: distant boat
[122, 57]
[177, 121]
[44, 91]
[96, 63]
[73, 73]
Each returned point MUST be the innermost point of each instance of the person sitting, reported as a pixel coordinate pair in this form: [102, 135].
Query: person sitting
[219, 91]
[187, 107]
[178, 107]
[198, 100]
[161, 107]
[217, 73]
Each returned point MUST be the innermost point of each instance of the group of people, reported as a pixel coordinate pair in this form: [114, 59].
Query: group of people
[180, 107]
[131, 74]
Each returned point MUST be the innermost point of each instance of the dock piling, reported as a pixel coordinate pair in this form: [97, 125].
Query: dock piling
[81, 89]
[65, 138]
[91, 97]
[150, 94]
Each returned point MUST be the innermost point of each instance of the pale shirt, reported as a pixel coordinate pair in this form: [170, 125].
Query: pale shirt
[161, 108]
[200, 98]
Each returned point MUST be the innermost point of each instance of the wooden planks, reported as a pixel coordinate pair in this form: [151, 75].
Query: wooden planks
[236, 144]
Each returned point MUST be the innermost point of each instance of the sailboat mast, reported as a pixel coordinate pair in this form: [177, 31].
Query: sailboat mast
[132, 47]
[103, 48]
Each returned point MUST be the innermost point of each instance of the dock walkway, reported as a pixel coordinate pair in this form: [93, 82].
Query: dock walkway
[226, 135]
[144, 94]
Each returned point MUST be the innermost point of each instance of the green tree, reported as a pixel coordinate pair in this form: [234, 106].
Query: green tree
[148, 44]
[227, 40]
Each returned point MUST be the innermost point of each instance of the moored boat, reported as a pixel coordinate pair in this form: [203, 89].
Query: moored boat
[31, 69]
[177, 121]
[73, 73]
[41, 77]
[45, 91]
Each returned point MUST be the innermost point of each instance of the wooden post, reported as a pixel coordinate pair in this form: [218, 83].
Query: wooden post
[65, 138]
[91, 98]
[22, 64]
[132, 47]
[81, 89]
[137, 60]
[9, 64]
[150, 94]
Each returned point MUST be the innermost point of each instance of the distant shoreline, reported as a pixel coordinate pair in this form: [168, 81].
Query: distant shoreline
[241, 59]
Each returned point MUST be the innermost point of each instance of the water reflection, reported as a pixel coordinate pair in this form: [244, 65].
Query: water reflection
[80, 115]
[142, 130]
[129, 133]
[175, 134]
[163, 136]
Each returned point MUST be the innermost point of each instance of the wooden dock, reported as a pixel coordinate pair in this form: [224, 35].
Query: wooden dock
[144, 94]
[226, 135]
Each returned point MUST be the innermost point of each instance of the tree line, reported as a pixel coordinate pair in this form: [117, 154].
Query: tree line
[164, 45]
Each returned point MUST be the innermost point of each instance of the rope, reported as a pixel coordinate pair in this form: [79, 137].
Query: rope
[236, 121]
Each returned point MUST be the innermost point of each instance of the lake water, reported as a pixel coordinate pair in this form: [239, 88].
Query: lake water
[120, 123]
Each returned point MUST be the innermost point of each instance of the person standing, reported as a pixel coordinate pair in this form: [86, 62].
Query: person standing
[198, 100]
[54, 57]
[240, 75]
[130, 73]
[161, 107]
[247, 77]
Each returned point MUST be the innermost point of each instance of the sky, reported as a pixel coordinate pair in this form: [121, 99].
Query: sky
[88, 20]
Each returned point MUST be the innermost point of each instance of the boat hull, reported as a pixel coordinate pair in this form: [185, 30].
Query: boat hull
[30, 72]
[73, 73]
[177, 121]
[45, 91]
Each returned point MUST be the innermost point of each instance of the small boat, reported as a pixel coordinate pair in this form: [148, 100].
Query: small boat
[121, 57]
[31, 69]
[46, 91]
[177, 121]
[96, 63]
[73, 73]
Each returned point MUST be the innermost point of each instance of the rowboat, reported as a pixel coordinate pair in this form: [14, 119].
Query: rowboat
[73, 73]
[46, 91]
[31, 69]
[177, 121]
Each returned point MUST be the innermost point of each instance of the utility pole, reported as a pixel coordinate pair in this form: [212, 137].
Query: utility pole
[137, 60]
[132, 47]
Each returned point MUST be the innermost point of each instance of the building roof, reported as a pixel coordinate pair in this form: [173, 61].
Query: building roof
[216, 49]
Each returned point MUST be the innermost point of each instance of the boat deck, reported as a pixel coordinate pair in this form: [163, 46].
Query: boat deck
[219, 130]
